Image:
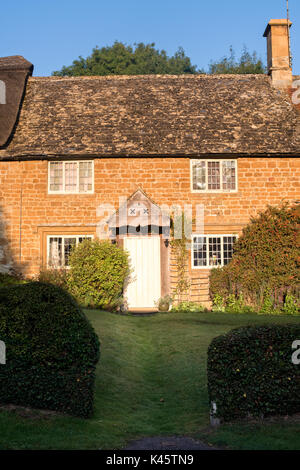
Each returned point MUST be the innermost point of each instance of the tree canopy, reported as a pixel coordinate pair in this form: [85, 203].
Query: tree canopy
[120, 59]
[246, 64]
[144, 59]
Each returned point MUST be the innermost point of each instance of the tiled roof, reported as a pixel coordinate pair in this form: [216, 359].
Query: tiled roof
[154, 115]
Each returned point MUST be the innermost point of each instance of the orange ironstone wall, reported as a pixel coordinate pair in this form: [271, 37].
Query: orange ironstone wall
[28, 210]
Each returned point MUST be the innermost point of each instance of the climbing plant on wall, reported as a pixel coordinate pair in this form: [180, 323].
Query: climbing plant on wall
[180, 244]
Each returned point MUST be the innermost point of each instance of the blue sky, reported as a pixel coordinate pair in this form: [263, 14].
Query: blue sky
[52, 33]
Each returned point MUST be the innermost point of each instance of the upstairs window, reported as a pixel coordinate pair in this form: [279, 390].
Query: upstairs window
[71, 177]
[209, 251]
[214, 175]
[59, 249]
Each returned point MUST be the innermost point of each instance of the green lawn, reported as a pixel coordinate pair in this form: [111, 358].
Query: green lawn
[151, 380]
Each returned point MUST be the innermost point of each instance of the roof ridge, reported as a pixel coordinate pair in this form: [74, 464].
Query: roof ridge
[152, 76]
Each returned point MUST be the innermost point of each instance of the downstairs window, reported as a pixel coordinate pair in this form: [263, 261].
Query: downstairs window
[209, 251]
[59, 249]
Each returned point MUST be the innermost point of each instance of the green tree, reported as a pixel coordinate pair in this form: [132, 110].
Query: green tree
[120, 59]
[246, 64]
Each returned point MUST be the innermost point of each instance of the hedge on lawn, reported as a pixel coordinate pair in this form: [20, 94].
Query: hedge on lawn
[51, 350]
[98, 270]
[251, 373]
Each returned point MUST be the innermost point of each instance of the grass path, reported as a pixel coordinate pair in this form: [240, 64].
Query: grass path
[151, 380]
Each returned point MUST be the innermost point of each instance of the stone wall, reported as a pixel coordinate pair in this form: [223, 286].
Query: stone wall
[29, 212]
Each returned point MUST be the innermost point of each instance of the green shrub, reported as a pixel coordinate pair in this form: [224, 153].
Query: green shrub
[231, 304]
[268, 306]
[163, 303]
[8, 280]
[237, 305]
[266, 259]
[51, 350]
[291, 305]
[98, 270]
[250, 372]
[187, 306]
[219, 303]
[219, 283]
[57, 277]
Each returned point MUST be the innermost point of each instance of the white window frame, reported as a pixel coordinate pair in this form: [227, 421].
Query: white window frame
[64, 182]
[221, 190]
[63, 254]
[210, 235]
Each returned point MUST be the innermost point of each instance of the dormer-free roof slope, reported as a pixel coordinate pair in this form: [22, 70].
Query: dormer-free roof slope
[154, 115]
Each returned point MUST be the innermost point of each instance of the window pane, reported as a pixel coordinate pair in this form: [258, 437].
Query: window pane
[60, 249]
[85, 176]
[71, 177]
[69, 243]
[213, 175]
[228, 248]
[229, 174]
[200, 251]
[199, 175]
[55, 252]
[84, 237]
[214, 251]
[56, 176]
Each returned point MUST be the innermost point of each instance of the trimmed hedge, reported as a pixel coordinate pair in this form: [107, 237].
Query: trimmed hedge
[51, 350]
[250, 372]
[98, 273]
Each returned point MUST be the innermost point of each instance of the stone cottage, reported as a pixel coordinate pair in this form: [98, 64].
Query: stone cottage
[72, 148]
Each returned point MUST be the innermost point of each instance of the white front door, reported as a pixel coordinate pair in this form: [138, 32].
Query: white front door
[144, 288]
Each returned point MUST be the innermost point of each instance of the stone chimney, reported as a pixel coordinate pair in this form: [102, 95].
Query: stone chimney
[14, 72]
[278, 48]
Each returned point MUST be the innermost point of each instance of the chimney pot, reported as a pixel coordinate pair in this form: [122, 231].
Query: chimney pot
[278, 51]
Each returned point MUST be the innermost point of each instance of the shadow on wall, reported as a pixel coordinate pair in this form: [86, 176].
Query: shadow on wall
[9, 263]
